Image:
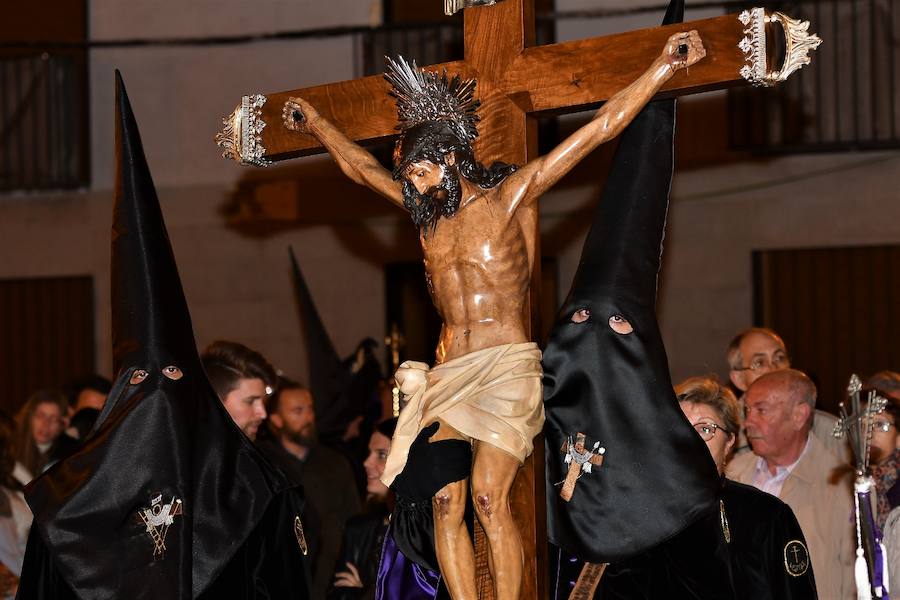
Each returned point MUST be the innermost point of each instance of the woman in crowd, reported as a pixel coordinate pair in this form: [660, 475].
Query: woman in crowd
[15, 516]
[40, 438]
[768, 552]
[357, 565]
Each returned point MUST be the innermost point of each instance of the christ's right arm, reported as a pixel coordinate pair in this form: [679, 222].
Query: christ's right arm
[354, 160]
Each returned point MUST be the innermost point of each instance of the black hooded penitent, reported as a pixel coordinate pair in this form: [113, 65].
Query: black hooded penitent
[163, 445]
[657, 476]
[339, 393]
[329, 379]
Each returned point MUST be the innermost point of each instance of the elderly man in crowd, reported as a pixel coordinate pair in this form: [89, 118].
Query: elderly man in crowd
[795, 466]
[769, 557]
[756, 351]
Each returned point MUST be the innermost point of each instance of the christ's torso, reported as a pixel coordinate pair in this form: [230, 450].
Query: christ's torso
[478, 269]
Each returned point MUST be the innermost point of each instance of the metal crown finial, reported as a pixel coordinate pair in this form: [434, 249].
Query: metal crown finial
[798, 44]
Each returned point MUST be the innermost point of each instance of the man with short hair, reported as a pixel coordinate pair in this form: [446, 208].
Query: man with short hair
[758, 350]
[326, 477]
[242, 379]
[790, 463]
[89, 392]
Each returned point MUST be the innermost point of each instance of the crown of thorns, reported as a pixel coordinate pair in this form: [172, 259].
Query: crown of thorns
[424, 96]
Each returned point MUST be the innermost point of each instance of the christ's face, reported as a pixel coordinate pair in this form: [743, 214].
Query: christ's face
[425, 175]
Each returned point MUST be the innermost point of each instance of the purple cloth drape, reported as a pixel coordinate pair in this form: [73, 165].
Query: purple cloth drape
[400, 578]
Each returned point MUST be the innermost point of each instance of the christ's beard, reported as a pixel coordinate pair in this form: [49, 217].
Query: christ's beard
[439, 201]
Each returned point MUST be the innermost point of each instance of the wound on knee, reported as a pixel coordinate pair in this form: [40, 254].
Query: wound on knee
[442, 504]
[483, 502]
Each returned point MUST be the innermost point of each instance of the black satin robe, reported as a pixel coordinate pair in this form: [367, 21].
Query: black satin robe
[264, 567]
[761, 527]
[162, 435]
[702, 563]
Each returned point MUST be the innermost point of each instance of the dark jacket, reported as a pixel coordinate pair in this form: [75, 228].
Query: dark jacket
[768, 550]
[331, 500]
[363, 539]
[757, 553]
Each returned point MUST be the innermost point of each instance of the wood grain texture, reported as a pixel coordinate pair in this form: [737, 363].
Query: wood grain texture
[560, 78]
[575, 75]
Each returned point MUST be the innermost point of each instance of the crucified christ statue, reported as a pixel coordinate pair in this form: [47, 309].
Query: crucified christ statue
[486, 386]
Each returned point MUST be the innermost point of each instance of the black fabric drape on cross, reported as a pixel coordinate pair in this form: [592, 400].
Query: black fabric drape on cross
[657, 476]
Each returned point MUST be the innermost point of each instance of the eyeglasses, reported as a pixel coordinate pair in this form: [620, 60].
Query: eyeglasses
[882, 426]
[708, 430]
[779, 361]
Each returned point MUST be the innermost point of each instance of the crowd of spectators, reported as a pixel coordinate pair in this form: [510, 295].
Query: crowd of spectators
[773, 446]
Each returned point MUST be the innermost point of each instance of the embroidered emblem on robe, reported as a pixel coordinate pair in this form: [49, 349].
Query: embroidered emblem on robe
[796, 558]
[580, 461]
[157, 519]
[301, 537]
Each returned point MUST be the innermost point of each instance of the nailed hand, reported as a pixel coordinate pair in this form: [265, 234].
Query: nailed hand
[684, 50]
[297, 114]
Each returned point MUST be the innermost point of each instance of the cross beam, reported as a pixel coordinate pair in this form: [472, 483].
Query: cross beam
[556, 78]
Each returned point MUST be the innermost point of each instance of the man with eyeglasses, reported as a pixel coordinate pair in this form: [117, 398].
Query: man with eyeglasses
[756, 351]
[795, 466]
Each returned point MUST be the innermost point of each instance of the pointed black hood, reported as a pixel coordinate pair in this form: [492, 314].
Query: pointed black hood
[149, 314]
[163, 436]
[329, 378]
[622, 253]
[342, 389]
[657, 475]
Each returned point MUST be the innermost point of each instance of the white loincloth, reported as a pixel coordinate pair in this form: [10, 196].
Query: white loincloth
[491, 395]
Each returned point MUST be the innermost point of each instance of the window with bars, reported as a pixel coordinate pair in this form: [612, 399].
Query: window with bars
[44, 126]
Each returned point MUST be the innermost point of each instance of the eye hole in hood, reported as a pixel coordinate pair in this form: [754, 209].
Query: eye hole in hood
[581, 315]
[173, 372]
[138, 376]
[620, 325]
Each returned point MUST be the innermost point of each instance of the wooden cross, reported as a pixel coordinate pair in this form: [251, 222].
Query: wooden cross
[516, 83]
[579, 460]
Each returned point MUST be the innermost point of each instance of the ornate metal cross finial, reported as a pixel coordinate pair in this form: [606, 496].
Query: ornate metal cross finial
[858, 422]
[580, 460]
[798, 43]
[451, 7]
[241, 138]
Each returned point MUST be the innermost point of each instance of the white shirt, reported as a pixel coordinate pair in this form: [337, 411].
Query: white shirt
[772, 484]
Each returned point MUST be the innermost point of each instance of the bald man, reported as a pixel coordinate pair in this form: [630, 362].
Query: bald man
[756, 351]
[796, 467]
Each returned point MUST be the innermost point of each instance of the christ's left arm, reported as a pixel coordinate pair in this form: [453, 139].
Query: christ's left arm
[531, 181]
